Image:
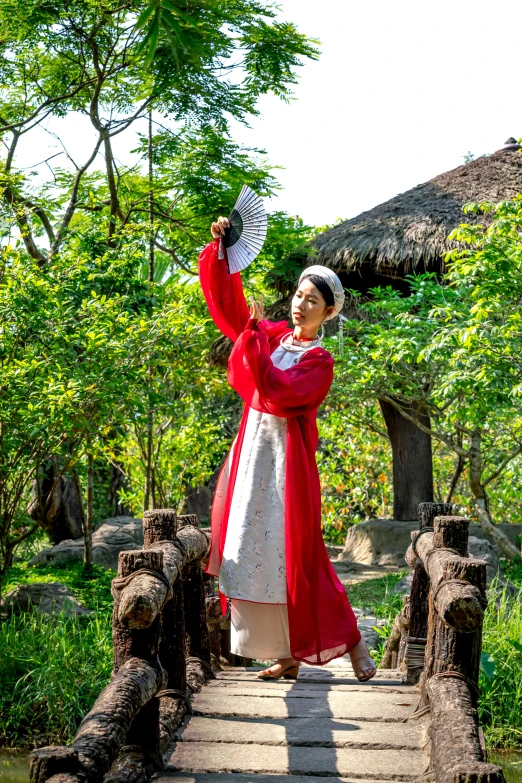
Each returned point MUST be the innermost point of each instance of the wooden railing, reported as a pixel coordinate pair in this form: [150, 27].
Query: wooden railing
[436, 642]
[168, 634]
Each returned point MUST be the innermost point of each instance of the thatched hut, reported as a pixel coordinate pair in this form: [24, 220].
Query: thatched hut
[407, 234]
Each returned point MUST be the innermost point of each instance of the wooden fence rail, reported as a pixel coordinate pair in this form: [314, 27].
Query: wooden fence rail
[436, 641]
[164, 607]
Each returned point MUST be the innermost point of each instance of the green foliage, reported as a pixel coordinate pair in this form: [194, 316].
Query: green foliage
[355, 470]
[243, 32]
[501, 679]
[53, 669]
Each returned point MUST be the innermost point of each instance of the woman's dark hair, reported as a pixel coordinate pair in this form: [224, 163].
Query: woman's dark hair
[323, 287]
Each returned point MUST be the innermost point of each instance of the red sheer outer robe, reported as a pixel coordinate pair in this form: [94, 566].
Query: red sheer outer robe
[321, 621]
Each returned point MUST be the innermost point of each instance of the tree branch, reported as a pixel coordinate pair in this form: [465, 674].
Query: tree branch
[502, 465]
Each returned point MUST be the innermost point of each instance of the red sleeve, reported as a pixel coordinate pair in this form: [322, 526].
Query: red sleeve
[268, 389]
[223, 292]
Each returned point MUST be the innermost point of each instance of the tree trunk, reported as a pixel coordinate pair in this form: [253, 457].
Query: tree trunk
[61, 517]
[412, 461]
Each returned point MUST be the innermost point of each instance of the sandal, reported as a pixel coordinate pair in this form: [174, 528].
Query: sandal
[290, 673]
[358, 666]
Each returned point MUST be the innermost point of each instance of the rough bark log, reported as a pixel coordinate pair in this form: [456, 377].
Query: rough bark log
[144, 598]
[427, 511]
[172, 711]
[214, 617]
[420, 588]
[54, 760]
[449, 650]
[131, 642]
[399, 629]
[159, 524]
[104, 729]
[455, 603]
[140, 758]
[453, 715]
[412, 460]
[65, 777]
[198, 672]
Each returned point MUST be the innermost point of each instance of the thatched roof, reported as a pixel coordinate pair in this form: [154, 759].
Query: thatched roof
[409, 232]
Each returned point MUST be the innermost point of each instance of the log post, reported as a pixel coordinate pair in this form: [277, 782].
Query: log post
[197, 634]
[450, 680]
[160, 525]
[420, 587]
[140, 757]
[134, 642]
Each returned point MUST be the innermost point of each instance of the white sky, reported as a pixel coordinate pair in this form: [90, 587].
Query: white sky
[401, 92]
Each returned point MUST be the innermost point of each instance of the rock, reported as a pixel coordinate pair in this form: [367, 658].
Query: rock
[48, 597]
[385, 541]
[378, 542]
[112, 536]
[333, 550]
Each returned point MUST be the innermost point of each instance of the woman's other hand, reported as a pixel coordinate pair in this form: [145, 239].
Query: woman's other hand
[218, 228]
[257, 309]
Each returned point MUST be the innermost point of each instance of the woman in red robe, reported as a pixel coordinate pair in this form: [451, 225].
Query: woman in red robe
[267, 547]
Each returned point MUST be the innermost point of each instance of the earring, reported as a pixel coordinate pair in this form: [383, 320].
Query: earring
[322, 334]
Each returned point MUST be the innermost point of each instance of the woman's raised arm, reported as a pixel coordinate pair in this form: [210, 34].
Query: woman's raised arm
[268, 389]
[223, 292]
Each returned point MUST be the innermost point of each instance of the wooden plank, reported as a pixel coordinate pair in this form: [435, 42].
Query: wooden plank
[362, 705]
[303, 732]
[277, 760]
[225, 777]
[302, 689]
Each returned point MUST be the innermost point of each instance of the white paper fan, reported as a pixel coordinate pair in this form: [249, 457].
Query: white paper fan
[245, 237]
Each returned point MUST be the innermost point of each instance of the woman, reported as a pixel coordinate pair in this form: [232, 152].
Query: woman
[287, 602]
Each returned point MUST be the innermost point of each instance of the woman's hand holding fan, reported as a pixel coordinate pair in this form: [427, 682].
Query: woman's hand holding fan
[218, 229]
[242, 235]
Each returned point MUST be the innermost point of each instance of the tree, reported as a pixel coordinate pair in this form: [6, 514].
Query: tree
[406, 351]
[82, 237]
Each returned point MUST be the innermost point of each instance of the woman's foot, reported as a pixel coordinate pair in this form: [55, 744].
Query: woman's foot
[283, 667]
[363, 664]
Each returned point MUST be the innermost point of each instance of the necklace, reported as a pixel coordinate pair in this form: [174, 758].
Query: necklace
[298, 345]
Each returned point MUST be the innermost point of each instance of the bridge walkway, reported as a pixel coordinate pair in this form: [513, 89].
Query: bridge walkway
[324, 725]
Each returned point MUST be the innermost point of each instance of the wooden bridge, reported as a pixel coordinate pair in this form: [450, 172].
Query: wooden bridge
[180, 707]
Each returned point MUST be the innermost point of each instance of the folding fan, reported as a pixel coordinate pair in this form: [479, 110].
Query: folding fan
[245, 237]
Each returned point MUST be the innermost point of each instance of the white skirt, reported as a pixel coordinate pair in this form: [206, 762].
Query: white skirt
[259, 630]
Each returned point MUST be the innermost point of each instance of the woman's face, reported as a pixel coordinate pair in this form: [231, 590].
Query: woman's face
[309, 308]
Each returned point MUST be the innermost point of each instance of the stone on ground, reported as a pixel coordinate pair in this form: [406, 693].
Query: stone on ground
[48, 597]
[112, 536]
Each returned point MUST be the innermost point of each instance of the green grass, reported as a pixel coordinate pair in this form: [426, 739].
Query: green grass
[500, 705]
[377, 597]
[53, 669]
